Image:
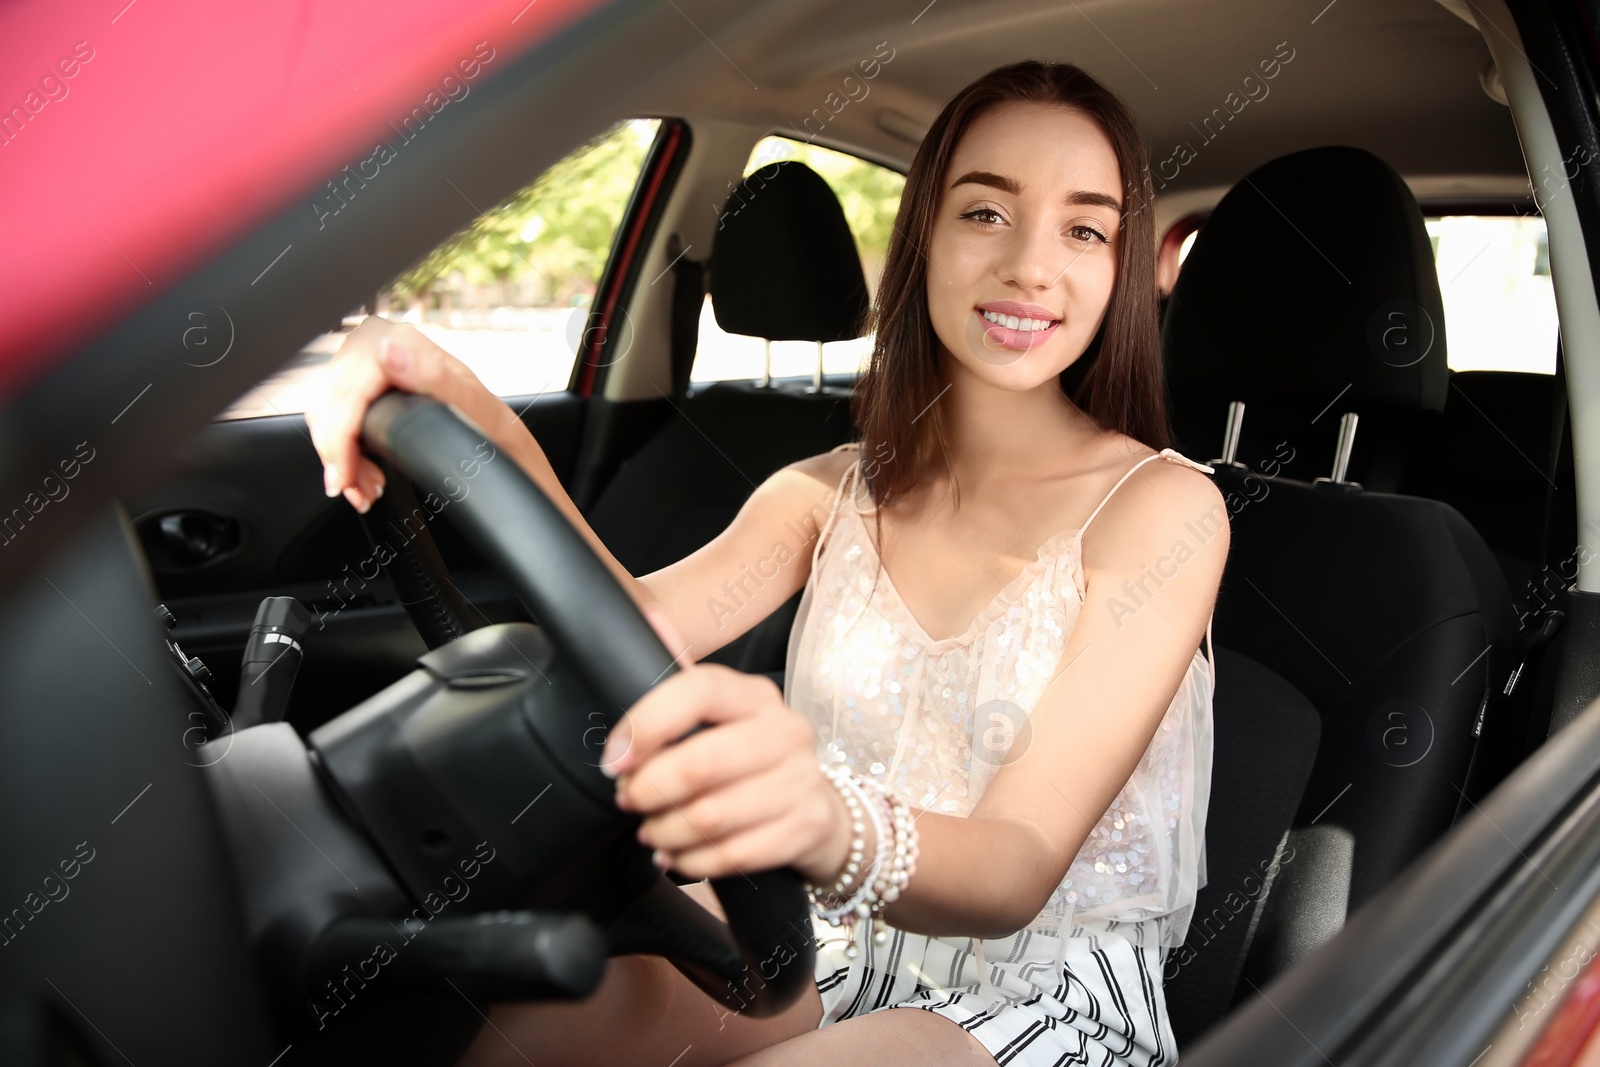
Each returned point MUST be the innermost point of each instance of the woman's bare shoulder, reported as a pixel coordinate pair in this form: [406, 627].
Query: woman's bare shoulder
[1163, 496]
[827, 468]
[1121, 453]
[804, 488]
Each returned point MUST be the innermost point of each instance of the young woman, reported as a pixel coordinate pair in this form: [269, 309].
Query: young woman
[1030, 697]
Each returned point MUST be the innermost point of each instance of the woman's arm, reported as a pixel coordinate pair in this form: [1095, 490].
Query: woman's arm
[745, 573]
[711, 597]
[750, 796]
[1118, 674]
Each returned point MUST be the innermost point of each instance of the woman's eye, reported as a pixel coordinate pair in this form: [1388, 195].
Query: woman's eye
[992, 217]
[1088, 233]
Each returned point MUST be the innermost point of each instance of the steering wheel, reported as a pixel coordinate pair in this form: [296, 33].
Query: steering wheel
[495, 739]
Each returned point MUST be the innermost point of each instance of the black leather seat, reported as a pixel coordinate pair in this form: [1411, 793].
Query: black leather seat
[784, 266]
[1310, 293]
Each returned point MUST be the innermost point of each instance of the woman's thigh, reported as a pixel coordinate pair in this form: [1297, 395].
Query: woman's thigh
[644, 1012]
[885, 1038]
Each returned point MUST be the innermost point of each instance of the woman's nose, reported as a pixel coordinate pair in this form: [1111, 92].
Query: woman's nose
[1034, 258]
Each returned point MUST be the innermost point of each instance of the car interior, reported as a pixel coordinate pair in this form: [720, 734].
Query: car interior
[1391, 625]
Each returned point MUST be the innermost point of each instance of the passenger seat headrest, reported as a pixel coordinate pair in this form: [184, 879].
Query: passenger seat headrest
[784, 265]
[1313, 275]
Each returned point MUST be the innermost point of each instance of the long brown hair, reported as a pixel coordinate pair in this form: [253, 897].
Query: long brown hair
[1117, 381]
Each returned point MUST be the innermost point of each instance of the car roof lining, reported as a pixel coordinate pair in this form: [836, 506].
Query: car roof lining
[1400, 80]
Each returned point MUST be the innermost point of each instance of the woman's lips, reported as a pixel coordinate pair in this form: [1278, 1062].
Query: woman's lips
[1016, 340]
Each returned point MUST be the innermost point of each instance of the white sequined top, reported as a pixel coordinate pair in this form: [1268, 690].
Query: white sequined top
[936, 720]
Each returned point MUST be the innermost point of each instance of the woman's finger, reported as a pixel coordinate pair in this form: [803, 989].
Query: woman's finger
[353, 381]
[760, 848]
[355, 475]
[720, 813]
[715, 758]
[414, 363]
[379, 355]
[368, 487]
[358, 375]
[709, 693]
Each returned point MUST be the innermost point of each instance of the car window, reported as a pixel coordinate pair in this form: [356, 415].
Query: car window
[1499, 306]
[1494, 277]
[870, 196]
[509, 293]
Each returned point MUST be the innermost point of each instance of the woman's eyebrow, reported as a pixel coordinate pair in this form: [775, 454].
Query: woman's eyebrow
[1010, 185]
[994, 181]
[1093, 199]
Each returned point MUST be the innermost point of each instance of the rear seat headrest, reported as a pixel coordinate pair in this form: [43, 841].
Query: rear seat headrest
[784, 265]
[1313, 274]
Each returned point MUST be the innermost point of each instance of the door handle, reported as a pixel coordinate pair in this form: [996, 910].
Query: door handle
[194, 538]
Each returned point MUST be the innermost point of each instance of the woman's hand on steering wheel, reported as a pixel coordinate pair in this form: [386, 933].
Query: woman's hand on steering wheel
[744, 796]
[380, 355]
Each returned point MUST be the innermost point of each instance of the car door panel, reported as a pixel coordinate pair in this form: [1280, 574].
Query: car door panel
[254, 488]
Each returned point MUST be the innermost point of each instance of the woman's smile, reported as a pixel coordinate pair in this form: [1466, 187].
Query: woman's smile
[1019, 327]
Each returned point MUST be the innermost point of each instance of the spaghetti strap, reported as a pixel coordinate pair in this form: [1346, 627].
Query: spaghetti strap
[1169, 453]
[838, 500]
[1211, 653]
[1173, 454]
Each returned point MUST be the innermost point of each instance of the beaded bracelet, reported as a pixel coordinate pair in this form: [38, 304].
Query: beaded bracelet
[903, 863]
[841, 900]
[879, 886]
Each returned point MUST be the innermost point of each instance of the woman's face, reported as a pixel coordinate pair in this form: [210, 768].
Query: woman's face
[1024, 248]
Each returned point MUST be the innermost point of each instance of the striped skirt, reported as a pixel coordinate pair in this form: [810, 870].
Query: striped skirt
[1102, 1006]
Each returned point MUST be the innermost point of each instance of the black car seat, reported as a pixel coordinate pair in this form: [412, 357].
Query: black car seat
[1502, 457]
[1265, 736]
[1311, 293]
[1488, 456]
[784, 266]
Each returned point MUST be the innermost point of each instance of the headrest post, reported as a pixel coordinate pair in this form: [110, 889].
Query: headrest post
[816, 378]
[1341, 456]
[766, 364]
[1347, 439]
[1230, 435]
